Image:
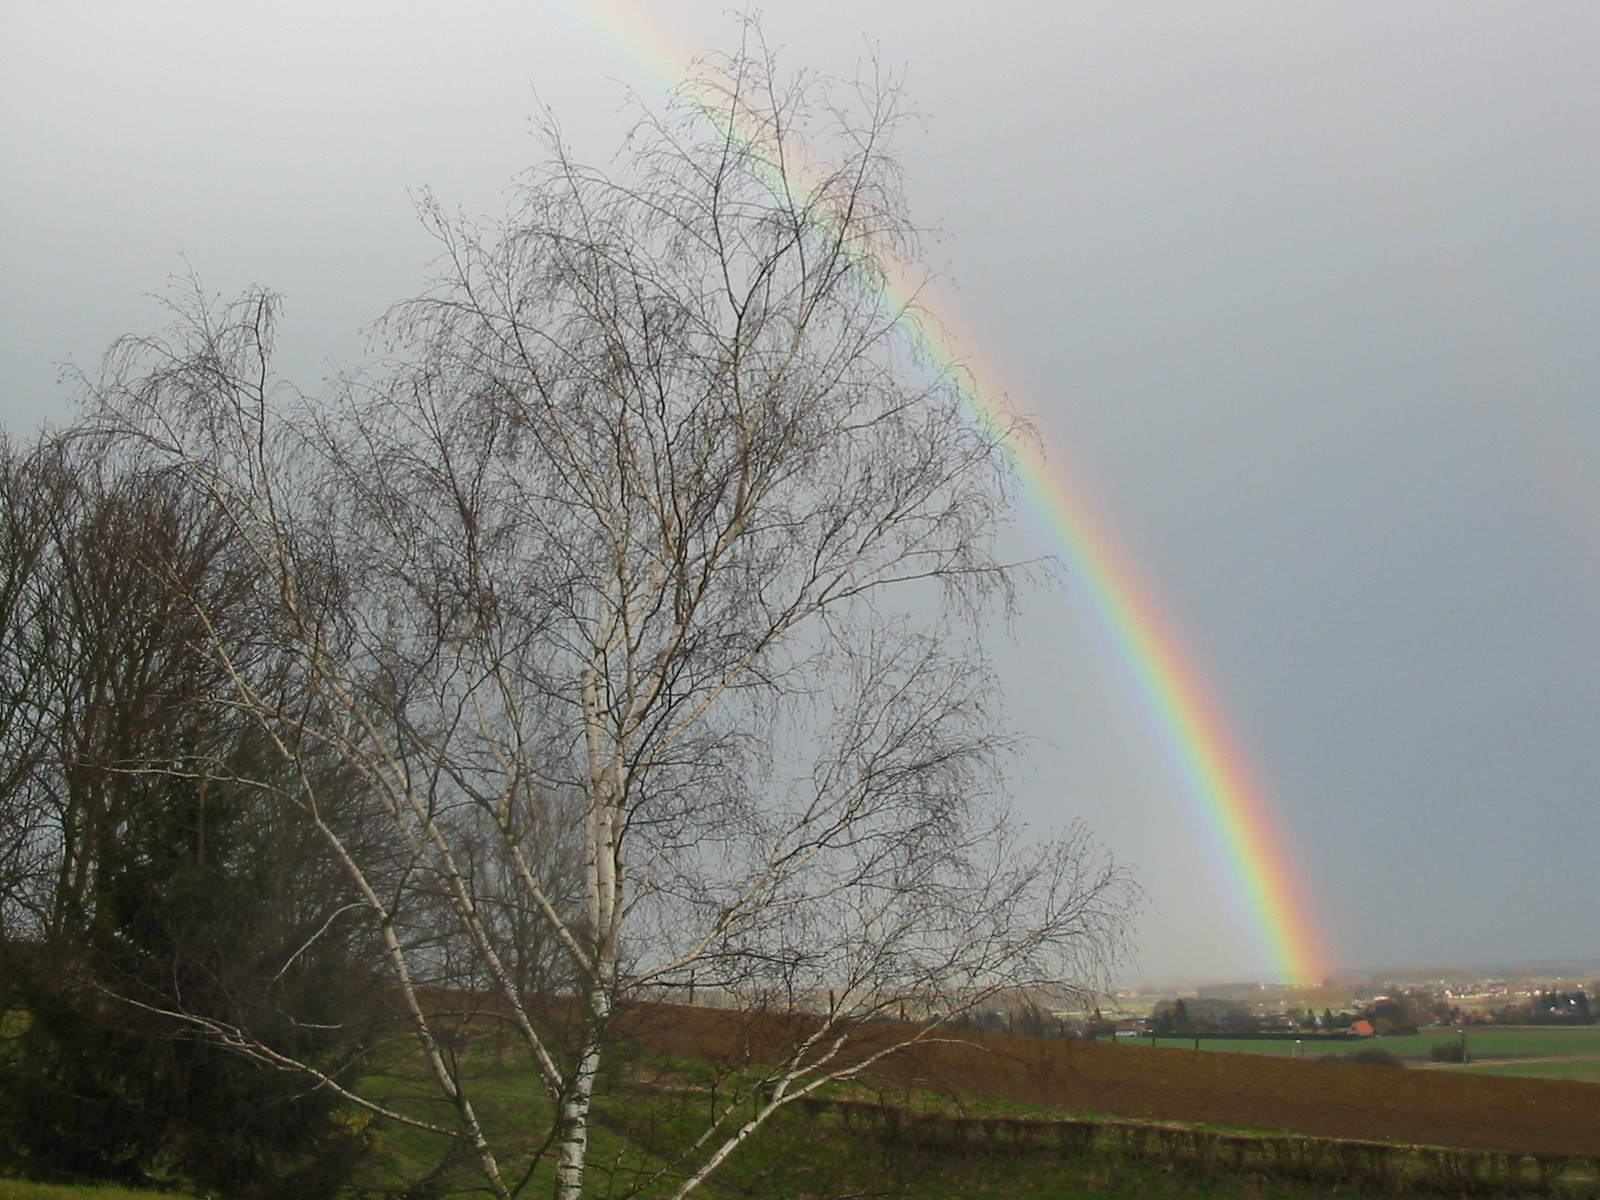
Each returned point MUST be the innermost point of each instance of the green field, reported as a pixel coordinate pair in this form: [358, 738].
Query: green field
[1584, 1070]
[1577, 1048]
[14, 1189]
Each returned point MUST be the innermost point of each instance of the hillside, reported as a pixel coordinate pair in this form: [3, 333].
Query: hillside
[1531, 1116]
[998, 1117]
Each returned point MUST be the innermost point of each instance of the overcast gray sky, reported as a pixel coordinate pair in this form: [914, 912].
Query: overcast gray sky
[1308, 292]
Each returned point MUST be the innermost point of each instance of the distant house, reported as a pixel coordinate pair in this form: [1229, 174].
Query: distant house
[1362, 1028]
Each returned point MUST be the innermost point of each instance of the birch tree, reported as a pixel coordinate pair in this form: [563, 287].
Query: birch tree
[640, 592]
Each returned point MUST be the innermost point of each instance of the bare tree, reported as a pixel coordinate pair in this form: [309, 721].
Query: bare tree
[24, 699]
[640, 596]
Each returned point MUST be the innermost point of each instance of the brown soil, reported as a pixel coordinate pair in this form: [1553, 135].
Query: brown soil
[1327, 1099]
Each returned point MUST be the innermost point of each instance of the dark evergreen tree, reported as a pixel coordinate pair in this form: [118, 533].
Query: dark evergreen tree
[157, 882]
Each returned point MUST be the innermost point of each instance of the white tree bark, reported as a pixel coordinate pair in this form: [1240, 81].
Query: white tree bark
[597, 598]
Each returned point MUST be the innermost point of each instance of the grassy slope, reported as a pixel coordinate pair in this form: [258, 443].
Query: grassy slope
[799, 1158]
[802, 1156]
[968, 1181]
[1448, 1107]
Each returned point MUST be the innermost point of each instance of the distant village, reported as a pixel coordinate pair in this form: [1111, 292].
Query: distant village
[1336, 1010]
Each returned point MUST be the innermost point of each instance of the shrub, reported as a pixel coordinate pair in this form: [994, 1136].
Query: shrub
[1374, 1057]
[1370, 1057]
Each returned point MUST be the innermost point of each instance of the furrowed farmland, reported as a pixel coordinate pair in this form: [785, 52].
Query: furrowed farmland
[1246, 1091]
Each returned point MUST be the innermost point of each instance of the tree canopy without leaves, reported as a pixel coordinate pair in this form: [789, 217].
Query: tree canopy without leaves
[636, 602]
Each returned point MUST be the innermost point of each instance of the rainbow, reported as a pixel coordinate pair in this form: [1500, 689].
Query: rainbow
[1217, 777]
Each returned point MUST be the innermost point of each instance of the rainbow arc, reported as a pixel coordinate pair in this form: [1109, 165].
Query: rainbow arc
[1216, 776]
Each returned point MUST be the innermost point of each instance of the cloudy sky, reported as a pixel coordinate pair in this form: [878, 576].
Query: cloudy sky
[1305, 295]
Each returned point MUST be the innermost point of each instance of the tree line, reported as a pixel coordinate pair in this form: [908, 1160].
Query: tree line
[617, 638]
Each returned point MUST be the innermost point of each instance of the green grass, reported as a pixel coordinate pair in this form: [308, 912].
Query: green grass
[1109, 1180]
[910, 1179]
[1509, 1040]
[1490, 1042]
[797, 1158]
[1584, 1070]
[1311, 1047]
[1536, 1052]
[16, 1189]
[509, 1102]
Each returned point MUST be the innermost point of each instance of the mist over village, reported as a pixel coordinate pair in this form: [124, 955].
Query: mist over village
[604, 599]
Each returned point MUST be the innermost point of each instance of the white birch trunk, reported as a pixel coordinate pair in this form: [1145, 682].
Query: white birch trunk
[603, 885]
[572, 1151]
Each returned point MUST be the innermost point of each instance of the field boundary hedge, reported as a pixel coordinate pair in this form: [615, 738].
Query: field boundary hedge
[1387, 1167]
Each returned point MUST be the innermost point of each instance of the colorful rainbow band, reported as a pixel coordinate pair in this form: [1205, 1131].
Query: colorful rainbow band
[1207, 757]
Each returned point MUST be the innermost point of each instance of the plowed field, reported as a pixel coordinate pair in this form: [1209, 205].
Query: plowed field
[1435, 1108]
